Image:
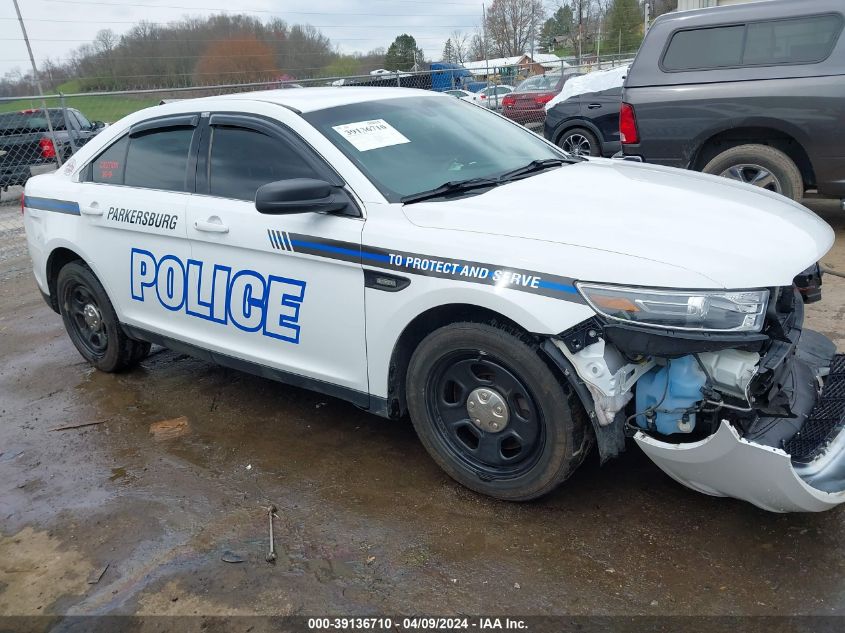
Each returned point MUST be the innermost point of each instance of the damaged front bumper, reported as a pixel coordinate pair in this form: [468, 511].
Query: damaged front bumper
[769, 431]
[803, 471]
[726, 465]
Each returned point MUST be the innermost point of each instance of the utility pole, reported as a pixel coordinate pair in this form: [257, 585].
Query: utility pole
[646, 8]
[532, 31]
[580, 27]
[484, 38]
[38, 83]
[598, 46]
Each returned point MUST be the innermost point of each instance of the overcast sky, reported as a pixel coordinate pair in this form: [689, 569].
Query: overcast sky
[56, 27]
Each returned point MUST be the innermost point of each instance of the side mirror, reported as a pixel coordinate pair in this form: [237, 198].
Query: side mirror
[302, 195]
[97, 125]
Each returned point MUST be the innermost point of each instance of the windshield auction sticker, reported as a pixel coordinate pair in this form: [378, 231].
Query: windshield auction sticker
[367, 135]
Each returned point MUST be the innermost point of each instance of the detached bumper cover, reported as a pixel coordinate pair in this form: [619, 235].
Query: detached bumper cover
[725, 465]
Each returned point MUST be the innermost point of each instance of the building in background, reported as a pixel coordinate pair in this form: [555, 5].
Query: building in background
[684, 5]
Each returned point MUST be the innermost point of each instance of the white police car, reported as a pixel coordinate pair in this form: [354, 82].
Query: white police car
[411, 253]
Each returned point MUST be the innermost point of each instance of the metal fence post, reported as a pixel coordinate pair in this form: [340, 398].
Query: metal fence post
[70, 132]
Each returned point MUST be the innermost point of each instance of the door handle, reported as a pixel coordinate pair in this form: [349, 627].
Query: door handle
[92, 209]
[593, 106]
[211, 225]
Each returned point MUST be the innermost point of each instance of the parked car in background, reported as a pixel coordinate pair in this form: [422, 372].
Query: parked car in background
[465, 95]
[753, 92]
[584, 118]
[493, 96]
[526, 103]
[26, 147]
[587, 124]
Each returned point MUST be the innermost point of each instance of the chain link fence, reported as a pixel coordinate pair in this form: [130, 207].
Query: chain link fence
[37, 135]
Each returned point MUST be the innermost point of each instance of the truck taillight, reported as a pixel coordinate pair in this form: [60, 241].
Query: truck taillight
[628, 132]
[48, 150]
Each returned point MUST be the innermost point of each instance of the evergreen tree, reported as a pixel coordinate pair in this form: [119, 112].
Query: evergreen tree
[402, 54]
[448, 52]
[623, 26]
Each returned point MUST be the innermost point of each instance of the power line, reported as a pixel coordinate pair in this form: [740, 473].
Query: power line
[88, 40]
[318, 26]
[239, 10]
[178, 20]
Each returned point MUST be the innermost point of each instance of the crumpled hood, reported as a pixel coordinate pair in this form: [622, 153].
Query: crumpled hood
[736, 235]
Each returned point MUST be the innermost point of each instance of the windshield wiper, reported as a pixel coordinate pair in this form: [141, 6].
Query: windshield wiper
[535, 166]
[453, 186]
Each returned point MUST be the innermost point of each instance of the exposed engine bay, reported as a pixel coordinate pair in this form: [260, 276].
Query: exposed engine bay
[756, 416]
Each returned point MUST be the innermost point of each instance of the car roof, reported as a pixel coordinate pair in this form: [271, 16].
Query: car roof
[749, 11]
[312, 99]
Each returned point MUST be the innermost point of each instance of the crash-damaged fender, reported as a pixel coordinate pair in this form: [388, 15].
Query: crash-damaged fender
[726, 465]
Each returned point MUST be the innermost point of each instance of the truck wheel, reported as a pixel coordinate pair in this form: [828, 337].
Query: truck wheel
[91, 322]
[759, 165]
[492, 414]
[579, 142]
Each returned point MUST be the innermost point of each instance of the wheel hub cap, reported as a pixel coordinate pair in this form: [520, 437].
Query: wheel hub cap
[92, 316]
[488, 410]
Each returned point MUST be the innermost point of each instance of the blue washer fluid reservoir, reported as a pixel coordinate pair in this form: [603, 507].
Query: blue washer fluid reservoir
[685, 380]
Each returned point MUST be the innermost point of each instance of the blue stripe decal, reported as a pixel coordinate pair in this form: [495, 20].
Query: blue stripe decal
[50, 204]
[272, 239]
[286, 240]
[341, 251]
[375, 256]
[550, 285]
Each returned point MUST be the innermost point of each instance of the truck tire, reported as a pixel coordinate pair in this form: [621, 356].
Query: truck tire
[580, 142]
[91, 322]
[492, 414]
[762, 166]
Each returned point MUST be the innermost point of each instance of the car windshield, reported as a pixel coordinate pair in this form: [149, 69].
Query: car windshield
[410, 145]
[539, 83]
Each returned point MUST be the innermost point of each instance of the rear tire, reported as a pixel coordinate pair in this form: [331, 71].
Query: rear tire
[91, 322]
[761, 166]
[525, 435]
[580, 142]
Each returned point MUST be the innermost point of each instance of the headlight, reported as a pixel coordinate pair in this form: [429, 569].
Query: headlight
[702, 310]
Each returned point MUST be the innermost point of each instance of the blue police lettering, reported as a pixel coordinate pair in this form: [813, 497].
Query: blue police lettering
[245, 298]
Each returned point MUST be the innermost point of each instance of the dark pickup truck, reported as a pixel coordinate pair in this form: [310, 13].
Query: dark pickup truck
[753, 92]
[26, 147]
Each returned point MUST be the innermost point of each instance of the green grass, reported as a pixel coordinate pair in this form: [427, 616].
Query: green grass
[97, 108]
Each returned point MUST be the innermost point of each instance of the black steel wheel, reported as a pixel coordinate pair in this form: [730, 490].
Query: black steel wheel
[91, 322]
[492, 413]
[485, 414]
[86, 320]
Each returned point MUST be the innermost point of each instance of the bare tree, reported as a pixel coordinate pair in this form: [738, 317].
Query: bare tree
[460, 46]
[105, 41]
[511, 24]
[477, 50]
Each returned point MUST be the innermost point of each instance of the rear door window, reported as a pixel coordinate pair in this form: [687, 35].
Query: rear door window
[159, 159]
[108, 167]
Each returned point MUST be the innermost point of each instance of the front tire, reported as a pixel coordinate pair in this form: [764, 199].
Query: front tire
[492, 414]
[762, 166]
[91, 322]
